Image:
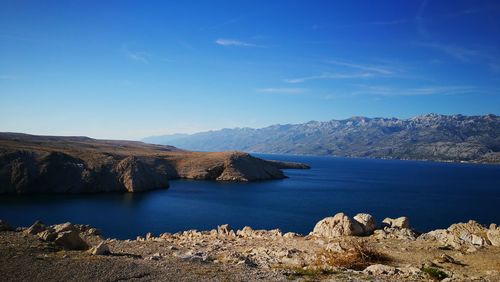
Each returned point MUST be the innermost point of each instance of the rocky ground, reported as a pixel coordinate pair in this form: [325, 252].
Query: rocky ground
[339, 248]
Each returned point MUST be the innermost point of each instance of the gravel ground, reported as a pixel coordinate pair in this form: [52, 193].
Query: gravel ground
[26, 258]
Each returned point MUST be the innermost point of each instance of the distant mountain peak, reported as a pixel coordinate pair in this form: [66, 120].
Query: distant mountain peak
[425, 137]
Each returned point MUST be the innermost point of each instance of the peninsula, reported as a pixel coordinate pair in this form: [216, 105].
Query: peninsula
[53, 164]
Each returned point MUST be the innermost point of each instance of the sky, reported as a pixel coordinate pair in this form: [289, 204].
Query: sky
[131, 69]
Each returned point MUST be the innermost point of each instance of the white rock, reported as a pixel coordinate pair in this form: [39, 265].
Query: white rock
[366, 221]
[338, 225]
[400, 222]
[101, 249]
[67, 226]
[291, 235]
[494, 236]
[71, 240]
[380, 269]
[224, 229]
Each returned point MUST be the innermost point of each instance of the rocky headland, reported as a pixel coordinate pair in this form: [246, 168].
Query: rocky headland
[339, 248]
[53, 164]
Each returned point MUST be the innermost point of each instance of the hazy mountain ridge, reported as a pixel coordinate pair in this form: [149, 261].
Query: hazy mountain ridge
[427, 137]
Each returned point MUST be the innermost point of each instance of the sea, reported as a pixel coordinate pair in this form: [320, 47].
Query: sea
[431, 194]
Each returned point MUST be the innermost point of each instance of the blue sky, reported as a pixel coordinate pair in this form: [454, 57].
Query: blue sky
[129, 69]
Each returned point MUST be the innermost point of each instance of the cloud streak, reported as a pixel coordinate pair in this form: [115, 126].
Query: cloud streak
[418, 91]
[355, 70]
[368, 68]
[459, 53]
[8, 77]
[285, 90]
[138, 56]
[324, 76]
[233, 42]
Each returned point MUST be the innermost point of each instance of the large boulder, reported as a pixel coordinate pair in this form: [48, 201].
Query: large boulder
[338, 225]
[71, 240]
[461, 234]
[367, 222]
[5, 226]
[400, 222]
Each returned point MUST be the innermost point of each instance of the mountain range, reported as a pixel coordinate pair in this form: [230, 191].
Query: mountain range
[426, 137]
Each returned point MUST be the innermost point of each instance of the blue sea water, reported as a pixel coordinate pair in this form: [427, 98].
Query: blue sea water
[433, 195]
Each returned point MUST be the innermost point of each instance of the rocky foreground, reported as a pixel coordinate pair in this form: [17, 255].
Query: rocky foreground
[340, 248]
[52, 164]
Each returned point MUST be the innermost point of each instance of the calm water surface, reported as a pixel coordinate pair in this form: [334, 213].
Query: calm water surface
[432, 195]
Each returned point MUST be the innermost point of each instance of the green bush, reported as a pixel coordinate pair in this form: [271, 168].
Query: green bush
[435, 273]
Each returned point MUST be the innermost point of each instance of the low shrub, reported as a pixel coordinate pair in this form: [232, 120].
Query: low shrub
[358, 256]
[435, 273]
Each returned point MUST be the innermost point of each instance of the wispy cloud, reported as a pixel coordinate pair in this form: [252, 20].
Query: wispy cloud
[418, 91]
[138, 56]
[329, 76]
[350, 70]
[364, 24]
[460, 53]
[285, 90]
[370, 68]
[8, 77]
[233, 42]
[222, 24]
[185, 44]
[420, 20]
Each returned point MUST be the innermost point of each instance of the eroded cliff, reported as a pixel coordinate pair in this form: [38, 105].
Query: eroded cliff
[49, 164]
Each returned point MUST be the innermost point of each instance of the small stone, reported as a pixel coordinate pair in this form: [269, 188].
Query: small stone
[5, 226]
[35, 228]
[290, 235]
[444, 258]
[471, 249]
[93, 232]
[380, 269]
[155, 256]
[71, 240]
[100, 250]
[48, 235]
[334, 247]
[224, 229]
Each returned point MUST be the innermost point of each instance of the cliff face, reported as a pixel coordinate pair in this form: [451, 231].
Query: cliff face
[39, 164]
[428, 137]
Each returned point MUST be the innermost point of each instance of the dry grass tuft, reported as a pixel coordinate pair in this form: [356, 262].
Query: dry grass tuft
[358, 256]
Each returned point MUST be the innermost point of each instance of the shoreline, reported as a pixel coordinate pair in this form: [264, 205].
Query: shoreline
[438, 161]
